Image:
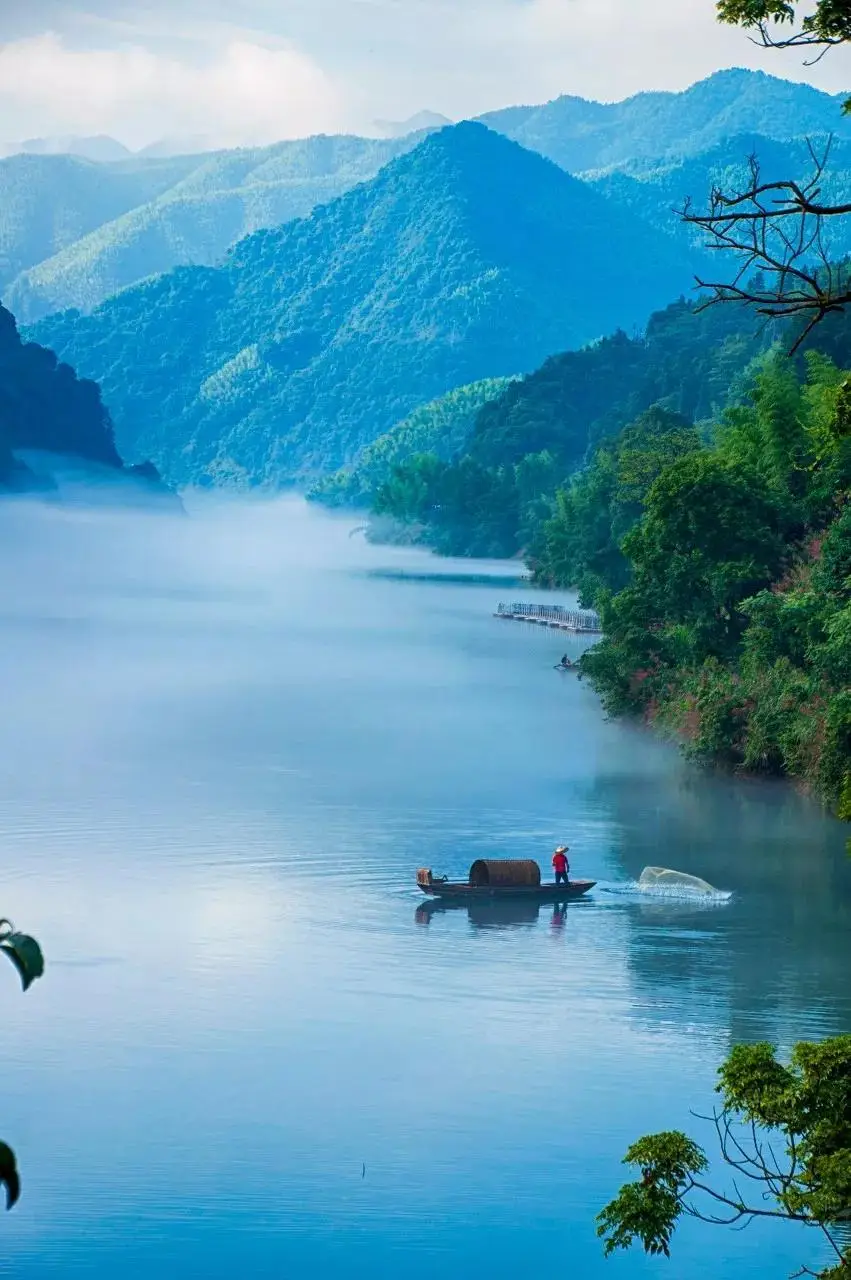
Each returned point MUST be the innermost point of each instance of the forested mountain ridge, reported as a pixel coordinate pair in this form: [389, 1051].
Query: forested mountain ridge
[581, 135]
[527, 442]
[45, 407]
[656, 190]
[196, 209]
[49, 202]
[466, 258]
[441, 427]
[73, 232]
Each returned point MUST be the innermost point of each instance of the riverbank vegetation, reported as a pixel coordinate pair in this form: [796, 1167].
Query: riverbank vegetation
[715, 544]
[722, 570]
[490, 497]
[442, 428]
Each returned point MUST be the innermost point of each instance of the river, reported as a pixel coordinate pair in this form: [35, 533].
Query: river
[227, 743]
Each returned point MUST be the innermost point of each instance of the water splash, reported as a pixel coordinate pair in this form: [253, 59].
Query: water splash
[664, 883]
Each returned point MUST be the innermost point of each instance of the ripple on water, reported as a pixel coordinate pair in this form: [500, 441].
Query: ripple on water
[222, 767]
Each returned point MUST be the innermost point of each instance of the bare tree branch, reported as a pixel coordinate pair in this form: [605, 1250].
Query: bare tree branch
[761, 1165]
[798, 40]
[775, 233]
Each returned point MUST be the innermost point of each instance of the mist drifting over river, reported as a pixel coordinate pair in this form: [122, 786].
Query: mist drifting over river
[229, 738]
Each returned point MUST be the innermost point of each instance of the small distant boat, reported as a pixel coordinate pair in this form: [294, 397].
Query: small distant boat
[574, 667]
[492, 878]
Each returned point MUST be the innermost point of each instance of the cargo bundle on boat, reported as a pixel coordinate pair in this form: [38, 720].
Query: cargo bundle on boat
[502, 877]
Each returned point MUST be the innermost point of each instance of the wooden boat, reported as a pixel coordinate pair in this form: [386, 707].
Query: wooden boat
[500, 878]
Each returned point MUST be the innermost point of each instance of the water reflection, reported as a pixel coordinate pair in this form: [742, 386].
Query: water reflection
[778, 954]
[447, 577]
[218, 784]
[509, 914]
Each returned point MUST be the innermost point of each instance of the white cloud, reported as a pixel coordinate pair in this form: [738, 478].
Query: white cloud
[498, 52]
[610, 49]
[302, 66]
[244, 92]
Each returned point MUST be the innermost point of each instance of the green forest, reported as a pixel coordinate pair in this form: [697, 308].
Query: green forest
[491, 497]
[722, 569]
[699, 500]
[442, 428]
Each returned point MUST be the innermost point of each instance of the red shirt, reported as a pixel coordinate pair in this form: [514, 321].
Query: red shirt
[559, 862]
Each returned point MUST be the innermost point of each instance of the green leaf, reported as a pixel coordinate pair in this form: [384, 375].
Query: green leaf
[9, 1174]
[648, 1210]
[25, 954]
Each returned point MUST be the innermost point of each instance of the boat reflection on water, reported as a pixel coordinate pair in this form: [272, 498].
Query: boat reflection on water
[508, 913]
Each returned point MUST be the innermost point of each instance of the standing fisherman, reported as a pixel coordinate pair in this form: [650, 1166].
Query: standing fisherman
[561, 864]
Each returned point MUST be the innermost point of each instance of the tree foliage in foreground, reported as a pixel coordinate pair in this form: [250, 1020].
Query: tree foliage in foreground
[25, 954]
[784, 1134]
[783, 24]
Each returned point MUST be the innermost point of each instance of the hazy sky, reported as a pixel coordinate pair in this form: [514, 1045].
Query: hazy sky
[257, 70]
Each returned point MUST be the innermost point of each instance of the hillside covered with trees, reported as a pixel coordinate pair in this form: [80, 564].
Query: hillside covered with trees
[44, 406]
[112, 225]
[694, 485]
[490, 498]
[76, 228]
[46, 409]
[442, 427]
[467, 258]
[723, 574]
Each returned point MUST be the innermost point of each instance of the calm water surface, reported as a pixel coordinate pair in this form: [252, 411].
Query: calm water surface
[227, 743]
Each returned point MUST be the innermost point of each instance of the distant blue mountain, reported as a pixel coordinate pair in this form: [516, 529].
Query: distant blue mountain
[111, 225]
[650, 127]
[467, 258]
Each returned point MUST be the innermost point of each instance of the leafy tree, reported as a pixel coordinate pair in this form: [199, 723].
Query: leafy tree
[734, 627]
[783, 24]
[25, 954]
[710, 538]
[580, 543]
[805, 1105]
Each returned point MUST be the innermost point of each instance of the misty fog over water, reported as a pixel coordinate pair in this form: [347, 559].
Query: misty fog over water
[228, 740]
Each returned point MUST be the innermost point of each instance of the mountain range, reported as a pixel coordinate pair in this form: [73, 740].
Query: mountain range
[468, 257]
[98, 147]
[73, 232]
[582, 136]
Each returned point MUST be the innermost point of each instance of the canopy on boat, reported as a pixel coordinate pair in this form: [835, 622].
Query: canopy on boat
[504, 873]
